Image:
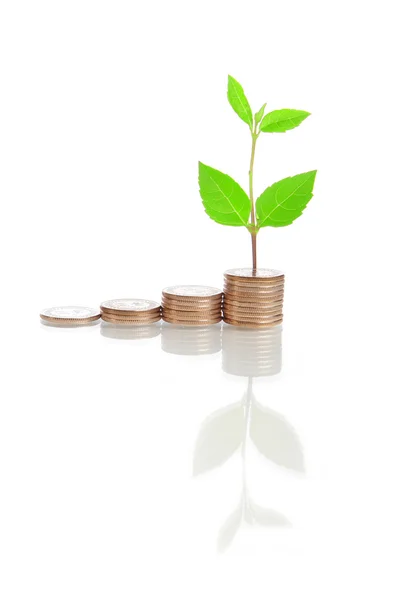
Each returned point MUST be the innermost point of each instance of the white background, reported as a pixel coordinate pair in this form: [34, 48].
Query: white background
[105, 109]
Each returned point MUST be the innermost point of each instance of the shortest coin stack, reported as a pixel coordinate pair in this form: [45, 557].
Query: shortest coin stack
[131, 311]
[253, 298]
[196, 305]
[70, 315]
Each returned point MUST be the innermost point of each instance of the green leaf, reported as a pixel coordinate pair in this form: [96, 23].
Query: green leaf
[284, 201]
[259, 115]
[238, 101]
[223, 199]
[279, 121]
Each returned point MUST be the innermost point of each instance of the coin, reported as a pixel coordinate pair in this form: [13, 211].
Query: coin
[130, 315]
[262, 298]
[194, 292]
[253, 317]
[178, 313]
[250, 302]
[139, 318]
[242, 285]
[254, 274]
[198, 322]
[125, 331]
[203, 306]
[130, 306]
[130, 321]
[80, 315]
[250, 325]
[185, 317]
[257, 313]
[191, 307]
[244, 310]
[256, 295]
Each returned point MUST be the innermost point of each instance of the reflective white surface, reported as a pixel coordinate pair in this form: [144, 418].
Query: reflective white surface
[126, 456]
[211, 464]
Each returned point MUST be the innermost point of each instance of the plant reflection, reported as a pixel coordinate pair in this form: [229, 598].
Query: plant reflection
[247, 353]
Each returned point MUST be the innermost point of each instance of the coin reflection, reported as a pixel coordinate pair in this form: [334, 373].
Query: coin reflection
[120, 331]
[190, 341]
[251, 352]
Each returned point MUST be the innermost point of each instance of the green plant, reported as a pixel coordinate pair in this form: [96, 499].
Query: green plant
[281, 203]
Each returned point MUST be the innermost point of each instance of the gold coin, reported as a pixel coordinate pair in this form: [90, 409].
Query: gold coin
[125, 313]
[259, 274]
[197, 317]
[192, 292]
[197, 322]
[79, 315]
[243, 281]
[252, 300]
[256, 287]
[255, 298]
[132, 320]
[239, 303]
[251, 325]
[130, 306]
[257, 311]
[254, 317]
[247, 311]
[262, 288]
[191, 305]
[184, 314]
[252, 293]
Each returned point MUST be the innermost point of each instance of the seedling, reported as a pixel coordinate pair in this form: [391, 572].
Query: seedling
[281, 203]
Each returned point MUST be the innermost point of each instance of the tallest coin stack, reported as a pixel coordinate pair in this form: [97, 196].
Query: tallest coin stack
[253, 298]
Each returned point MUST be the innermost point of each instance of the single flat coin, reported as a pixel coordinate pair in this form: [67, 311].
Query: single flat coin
[192, 291]
[70, 314]
[131, 321]
[191, 306]
[131, 315]
[199, 323]
[141, 319]
[254, 283]
[265, 298]
[255, 301]
[256, 313]
[239, 303]
[185, 317]
[253, 291]
[129, 305]
[254, 274]
[196, 314]
[254, 318]
[243, 285]
[251, 325]
[201, 301]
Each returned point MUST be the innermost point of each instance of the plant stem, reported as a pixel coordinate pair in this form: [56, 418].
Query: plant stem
[253, 233]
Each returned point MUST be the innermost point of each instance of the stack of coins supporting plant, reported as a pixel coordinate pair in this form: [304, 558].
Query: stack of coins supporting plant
[278, 205]
[253, 300]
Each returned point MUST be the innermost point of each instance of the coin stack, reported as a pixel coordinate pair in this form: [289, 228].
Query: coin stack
[130, 311]
[196, 305]
[253, 298]
[70, 316]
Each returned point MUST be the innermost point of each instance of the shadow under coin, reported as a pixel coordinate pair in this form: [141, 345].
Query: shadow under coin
[251, 352]
[121, 331]
[190, 341]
